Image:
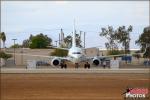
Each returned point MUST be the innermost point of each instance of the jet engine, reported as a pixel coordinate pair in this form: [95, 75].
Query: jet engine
[55, 62]
[96, 61]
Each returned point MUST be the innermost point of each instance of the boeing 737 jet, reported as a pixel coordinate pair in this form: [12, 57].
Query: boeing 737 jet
[76, 54]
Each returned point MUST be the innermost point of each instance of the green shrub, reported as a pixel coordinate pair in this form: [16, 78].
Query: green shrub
[16, 46]
[147, 53]
[136, 55]
[4, 55]
[115, 52]
[59, 53]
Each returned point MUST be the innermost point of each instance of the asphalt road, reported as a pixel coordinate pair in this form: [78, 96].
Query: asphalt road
[67, 86]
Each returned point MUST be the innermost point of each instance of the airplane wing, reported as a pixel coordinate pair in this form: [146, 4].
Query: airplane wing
[99, 58]
[43, 56]
[30, 55]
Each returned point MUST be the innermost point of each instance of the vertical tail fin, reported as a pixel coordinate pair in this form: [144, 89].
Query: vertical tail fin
[74, 36]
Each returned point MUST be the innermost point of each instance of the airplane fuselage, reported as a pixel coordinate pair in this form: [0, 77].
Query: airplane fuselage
[76, 54]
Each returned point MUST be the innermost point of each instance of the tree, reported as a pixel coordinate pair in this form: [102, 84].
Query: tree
[0, 40]
[68, 41]
[26, 43]
[144, 42]
[4, 55]
[3, 39]
[78, 40]
[109, 33]
[16, 46]
[147, 53]
[144, 39]
[137, 56]
[123, 36]
[40, 41]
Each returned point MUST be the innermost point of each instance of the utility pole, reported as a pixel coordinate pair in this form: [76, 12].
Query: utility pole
[80, 34]
[59, 39]
[84, 39]
[56, 43]
[62, 36]
[84, 43]
[14, 50]
[80, 37]
[22, 55]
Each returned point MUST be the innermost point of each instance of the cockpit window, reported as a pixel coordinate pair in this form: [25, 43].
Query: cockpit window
[76, 53]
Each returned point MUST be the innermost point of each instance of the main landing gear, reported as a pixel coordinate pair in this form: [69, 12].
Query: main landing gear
[87, 65]
[63, 65]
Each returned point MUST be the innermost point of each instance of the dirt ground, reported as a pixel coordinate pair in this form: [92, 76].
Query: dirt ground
[69, 86]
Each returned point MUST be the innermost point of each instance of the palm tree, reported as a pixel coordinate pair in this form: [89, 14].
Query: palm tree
[3, 38]
[0, 47]
[0, 40]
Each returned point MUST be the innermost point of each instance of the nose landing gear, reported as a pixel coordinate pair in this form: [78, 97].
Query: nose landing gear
[87, 65]
[76, 65]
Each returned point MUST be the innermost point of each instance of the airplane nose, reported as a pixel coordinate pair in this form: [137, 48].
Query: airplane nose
[77, 56]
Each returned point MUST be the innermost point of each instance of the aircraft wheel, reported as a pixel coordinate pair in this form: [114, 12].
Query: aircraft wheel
[76, 65]
[61, 67]
[88, 66]
[65, 66]
[85, 66]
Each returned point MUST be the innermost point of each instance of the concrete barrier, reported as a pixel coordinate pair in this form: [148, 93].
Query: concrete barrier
[2, 62]
[114, 64]
[31, 64]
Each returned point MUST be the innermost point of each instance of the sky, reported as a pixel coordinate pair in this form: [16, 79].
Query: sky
[19, 19]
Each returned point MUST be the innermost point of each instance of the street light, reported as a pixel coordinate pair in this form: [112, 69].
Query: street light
[14, 49]
[22, 55]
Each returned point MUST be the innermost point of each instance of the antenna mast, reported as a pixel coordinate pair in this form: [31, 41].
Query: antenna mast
[74, 36]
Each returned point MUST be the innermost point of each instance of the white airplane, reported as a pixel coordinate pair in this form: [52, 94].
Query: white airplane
[75, 54]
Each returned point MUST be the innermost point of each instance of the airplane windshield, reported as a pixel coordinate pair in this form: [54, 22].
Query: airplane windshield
[76, 53]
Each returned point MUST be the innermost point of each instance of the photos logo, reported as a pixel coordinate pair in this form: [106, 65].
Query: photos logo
[136, 93]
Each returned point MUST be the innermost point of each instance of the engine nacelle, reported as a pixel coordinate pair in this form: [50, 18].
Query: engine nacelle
[55, 62]
[96, 61]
